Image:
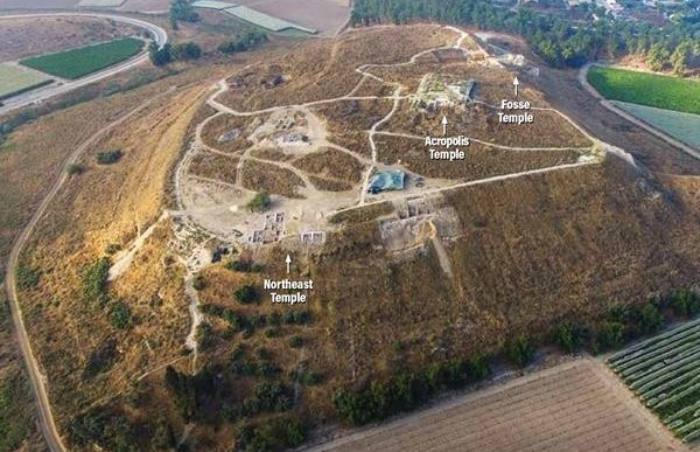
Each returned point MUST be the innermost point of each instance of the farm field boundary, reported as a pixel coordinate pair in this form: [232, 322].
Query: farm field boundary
[682, 126]
[664, 372]
[643, 88]
[265, 20]
[75, 63]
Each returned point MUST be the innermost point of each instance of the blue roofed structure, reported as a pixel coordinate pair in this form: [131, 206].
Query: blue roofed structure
[387, 181]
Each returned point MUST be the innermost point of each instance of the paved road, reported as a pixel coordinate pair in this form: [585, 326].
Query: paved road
[159, 35]
[37, 380]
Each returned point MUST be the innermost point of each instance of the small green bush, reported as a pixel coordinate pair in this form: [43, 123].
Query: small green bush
[109, 157]
[296, 342]
[246, 294]
[120, 316]
[520, 352]
[95, 280]
[260, 202]
[27, 277]
[74, 169]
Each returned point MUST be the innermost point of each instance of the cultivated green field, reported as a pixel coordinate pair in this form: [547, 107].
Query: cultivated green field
[664, 372]
[653, 90]
[684, 127]
[76, 63]
[16, 79]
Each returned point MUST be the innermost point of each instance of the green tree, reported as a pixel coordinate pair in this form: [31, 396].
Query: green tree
[260, 202]
[160, 56]
[680, 57]
[186, 51]
[658, 57]
[182, 10]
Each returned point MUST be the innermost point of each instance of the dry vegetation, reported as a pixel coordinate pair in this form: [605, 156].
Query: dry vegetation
[348, 122]
[566, 245]
[28, 37]
[261, 176]
[305, 80]
[17, 416]
[333, 185]
[331, 163]
[228, 133]
[213, 166]
[481, 161]
[75, 336]
[481, 122]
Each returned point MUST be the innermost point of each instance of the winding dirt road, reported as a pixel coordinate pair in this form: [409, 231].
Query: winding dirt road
[39, 95]
[36, 378]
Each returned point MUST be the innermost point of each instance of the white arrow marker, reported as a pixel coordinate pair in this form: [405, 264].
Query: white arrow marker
[444, 125]
[516, 83]
[288, 260]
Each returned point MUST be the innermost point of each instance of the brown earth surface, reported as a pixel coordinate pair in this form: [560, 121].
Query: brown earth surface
[574, 406]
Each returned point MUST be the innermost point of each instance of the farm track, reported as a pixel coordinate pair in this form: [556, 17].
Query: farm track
[39, 95]
[575, 406]
[37, 379]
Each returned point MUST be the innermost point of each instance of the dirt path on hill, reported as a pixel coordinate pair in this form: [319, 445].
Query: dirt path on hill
[39, 383]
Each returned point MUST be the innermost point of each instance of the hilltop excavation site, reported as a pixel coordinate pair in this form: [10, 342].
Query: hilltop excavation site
[318, 218]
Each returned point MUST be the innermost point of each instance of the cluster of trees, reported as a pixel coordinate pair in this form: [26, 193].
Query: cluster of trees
[380, 400]
[244, 42]
[239, 322]
[160, 56]
[408, 390]
[624, 324]
[244, 266]
[280, 433]
[182, 10]
[558, 40]
[661, 57]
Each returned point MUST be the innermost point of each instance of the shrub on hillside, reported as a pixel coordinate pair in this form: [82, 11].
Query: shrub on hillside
[246, 294]
[95, 280]
[109, 157]
[27, 277]
[405, 391]
[120, 316]
[520, 352]
[74, 169]
[260, 202]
